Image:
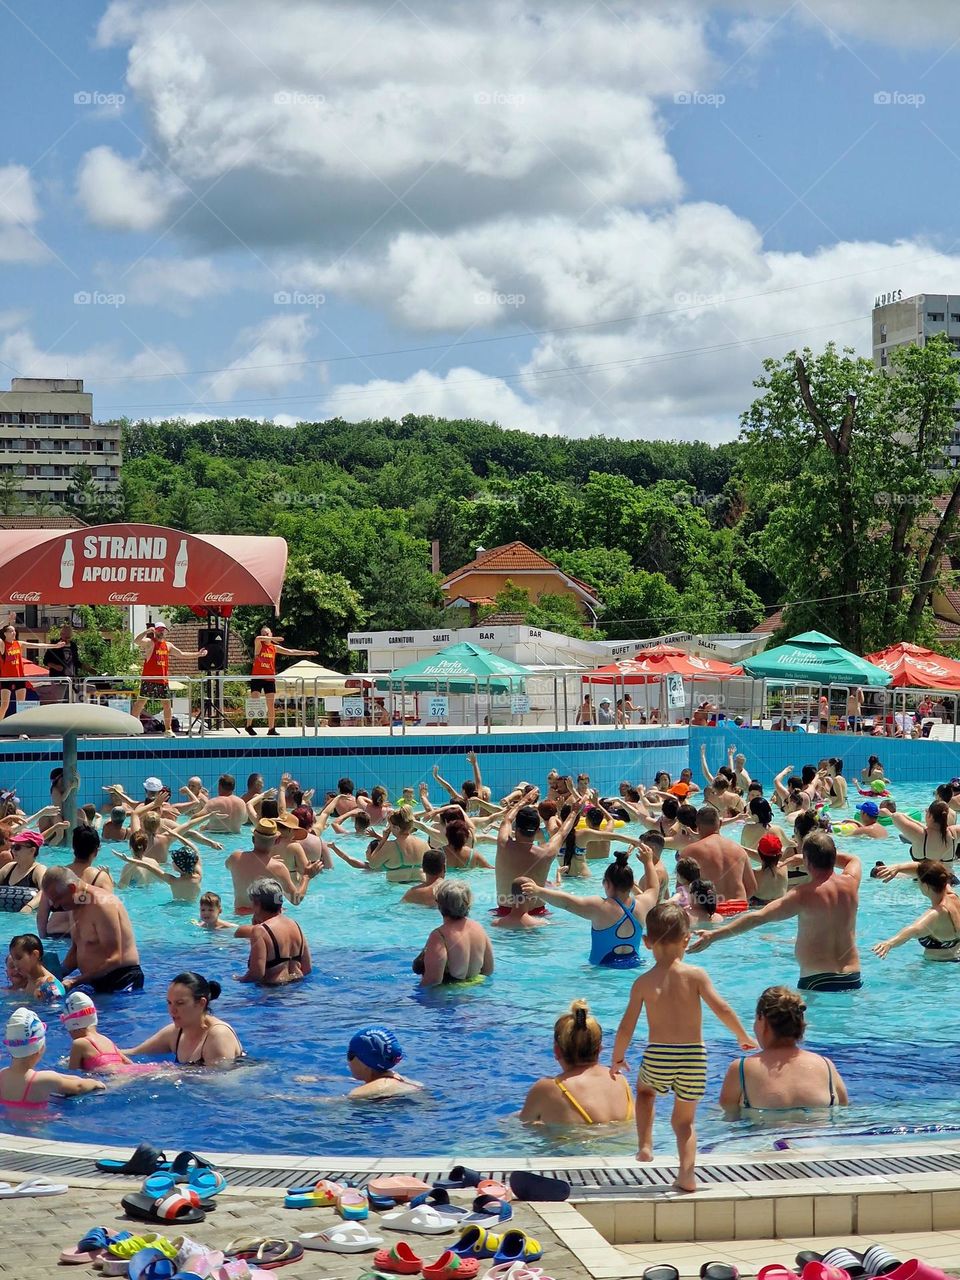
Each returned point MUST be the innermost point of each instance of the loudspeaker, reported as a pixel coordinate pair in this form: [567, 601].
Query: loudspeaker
[211, 639]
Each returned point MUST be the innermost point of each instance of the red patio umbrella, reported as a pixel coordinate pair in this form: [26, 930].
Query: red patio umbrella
[651, 665]
[914, 667]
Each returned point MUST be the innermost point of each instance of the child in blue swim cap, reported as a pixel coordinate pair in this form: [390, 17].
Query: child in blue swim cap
[371, 1056]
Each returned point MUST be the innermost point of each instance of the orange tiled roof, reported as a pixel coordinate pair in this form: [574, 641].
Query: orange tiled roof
[769, 625]
[41, 522]
[514, 557]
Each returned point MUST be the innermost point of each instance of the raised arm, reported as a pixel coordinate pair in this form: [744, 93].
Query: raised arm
[475, 763]
[783, 909]
[922, 925]
[707, 775]
[779, 790]
[454, 795]
[586, 908]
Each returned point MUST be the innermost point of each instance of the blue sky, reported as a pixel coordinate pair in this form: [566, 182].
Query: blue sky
[585, 217]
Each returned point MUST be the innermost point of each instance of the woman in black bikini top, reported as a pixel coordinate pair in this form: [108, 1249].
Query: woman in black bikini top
[274, 969]
[207, 1041]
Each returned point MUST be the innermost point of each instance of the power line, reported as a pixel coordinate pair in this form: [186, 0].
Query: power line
[559, 371]
[722, 300]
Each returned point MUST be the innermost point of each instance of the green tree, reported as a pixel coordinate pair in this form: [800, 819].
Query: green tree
[842, 461]
[90, 501]
[317, 610]
[104, 645]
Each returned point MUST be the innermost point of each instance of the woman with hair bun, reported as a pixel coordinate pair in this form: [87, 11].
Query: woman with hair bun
[194, 1036]
[584, 1092]
[782, 1076]
[760, 824]
[938, 928]
[617, 919]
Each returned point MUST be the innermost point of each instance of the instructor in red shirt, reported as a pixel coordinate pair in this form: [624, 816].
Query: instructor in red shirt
[266, 646]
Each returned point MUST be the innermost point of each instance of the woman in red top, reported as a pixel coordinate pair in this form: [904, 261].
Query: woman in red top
[155, 682]
[11, 664]
[266, 646]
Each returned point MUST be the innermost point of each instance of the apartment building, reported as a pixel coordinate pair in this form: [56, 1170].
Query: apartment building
[898, 321]
[47, 431]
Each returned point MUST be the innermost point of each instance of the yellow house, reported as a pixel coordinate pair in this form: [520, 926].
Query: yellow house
[479, 583]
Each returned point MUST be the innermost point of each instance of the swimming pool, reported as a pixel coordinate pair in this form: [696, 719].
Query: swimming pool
[478, 1049]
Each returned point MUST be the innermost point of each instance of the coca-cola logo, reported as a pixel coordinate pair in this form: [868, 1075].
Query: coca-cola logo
[26, 597]
[123, 597]
[224, 597]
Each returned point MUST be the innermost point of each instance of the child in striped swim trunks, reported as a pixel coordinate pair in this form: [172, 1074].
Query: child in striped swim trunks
[676, 1057]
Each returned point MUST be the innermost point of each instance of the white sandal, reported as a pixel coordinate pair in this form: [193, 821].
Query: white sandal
[347, 1237]
[421, 1219]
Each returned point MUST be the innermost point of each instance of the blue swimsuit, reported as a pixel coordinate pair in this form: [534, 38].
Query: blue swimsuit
[614, 946]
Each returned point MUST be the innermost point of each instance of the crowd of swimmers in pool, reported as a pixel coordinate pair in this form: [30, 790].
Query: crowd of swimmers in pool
[784, 865]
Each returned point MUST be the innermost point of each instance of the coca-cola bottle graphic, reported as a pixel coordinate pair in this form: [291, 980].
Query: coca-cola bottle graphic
[180, 566]
[67, 564]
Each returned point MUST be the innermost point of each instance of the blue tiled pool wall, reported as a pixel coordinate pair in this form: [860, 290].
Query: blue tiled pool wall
[608, 756]
[904, 759]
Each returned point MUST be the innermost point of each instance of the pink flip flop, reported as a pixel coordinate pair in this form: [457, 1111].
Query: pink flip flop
[820, 1271]
[488, 1187]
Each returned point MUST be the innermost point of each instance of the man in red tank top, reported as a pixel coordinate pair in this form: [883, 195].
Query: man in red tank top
[266, 646]
[11, 664]
[156, 650]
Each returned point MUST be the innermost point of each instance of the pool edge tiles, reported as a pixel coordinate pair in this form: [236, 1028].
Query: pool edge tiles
[608, 755]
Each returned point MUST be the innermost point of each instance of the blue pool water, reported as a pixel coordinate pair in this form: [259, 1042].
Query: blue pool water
[478, 1050]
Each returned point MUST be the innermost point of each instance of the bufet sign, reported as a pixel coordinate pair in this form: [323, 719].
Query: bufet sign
[123, 564]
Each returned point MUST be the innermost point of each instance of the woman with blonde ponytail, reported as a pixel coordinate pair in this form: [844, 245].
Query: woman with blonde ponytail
[584, 1092]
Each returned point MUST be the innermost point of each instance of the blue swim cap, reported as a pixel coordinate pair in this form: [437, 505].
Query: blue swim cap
[376, 1047]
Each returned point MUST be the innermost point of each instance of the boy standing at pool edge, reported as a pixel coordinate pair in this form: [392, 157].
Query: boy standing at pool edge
[675, 1057]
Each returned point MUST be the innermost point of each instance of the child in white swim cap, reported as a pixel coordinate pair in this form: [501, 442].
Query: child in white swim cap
[21, 1084]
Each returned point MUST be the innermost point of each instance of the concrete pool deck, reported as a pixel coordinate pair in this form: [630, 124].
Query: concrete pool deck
[609, 1229]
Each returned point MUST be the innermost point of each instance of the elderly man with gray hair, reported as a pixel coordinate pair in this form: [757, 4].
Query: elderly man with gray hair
[278, 950]
[459, 950]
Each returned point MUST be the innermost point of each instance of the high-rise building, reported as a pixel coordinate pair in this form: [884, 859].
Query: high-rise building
[898, 321]
[47, 431]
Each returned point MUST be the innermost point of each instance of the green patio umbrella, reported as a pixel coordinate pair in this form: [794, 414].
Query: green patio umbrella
[461, 668]
[813, 658]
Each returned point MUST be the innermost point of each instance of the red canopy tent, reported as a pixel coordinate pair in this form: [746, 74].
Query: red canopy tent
[651, 665]
[126, 564]
[914, 667]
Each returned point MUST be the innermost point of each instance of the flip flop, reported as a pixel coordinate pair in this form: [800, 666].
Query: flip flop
[490, 1187]
[450, 1266]
[145, 1159]
[517, 1246]
[719, 1271]
[169, 1208]
[32, 1187]
[151, 1264]
[124, 1246]
[421, 1220]
[400, 1260]
[184, 1161]
[458, 1178]
[661, 1271]
[776, 1271]
[347, 1237]
[352, 1204]
[488, 1211]
[273, 1254]
[537, 1187]
[92, 1247]
[398, 1187]
[319, 1196]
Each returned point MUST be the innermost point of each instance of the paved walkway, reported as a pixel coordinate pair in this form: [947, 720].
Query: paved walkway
[35, 1230]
